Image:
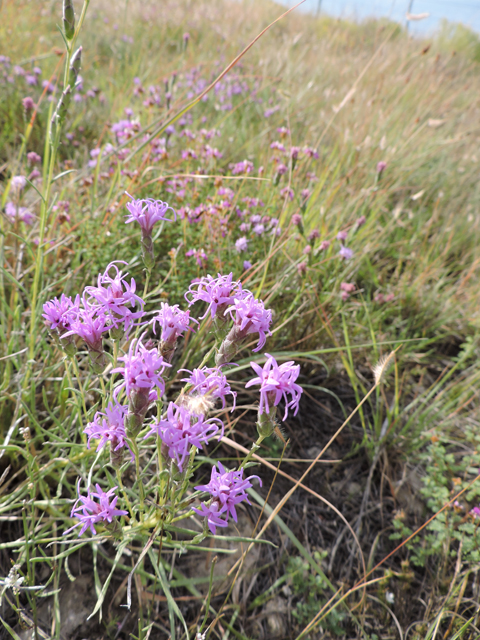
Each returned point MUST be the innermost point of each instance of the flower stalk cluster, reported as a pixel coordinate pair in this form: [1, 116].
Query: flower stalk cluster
[108, 317]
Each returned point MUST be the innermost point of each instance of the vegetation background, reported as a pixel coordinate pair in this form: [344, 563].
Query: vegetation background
[358, 95]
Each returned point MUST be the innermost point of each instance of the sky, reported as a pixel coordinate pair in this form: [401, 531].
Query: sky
[464, 11]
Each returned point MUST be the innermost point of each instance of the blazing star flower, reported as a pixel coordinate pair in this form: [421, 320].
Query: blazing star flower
[33, 158]
[275, 382]
[115, 297]
[250, 316]
[28, 103]
[241, 244]
[381, 166]
[90, 324]
[209, 383]
[18, 213]
[182, 429]
[287, 192]
[18, 183]
[147, 212]
[142, 371]
[345, 253]
[59, 314]
[242, 167]
[218, 293]
[172, 321]
[109, 427]
[227, 489]
[90, 512]
[247, 265]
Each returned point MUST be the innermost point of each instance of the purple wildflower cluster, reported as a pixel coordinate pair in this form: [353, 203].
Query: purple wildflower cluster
[181, 429]
[112, 305]
[96, 507]
[227, 489]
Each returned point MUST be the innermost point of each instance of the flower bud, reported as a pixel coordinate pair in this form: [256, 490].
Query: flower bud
[68, 19]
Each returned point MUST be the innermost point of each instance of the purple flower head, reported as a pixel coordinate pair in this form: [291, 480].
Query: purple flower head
[241, 244]
[475, 512]
[33, 158]
[147, 212]
[297, 219]
[247, 265]
[216, 292]
[324, 245]
[227, 489]
[259, 229]
[381, 166]
[116, 298]
[172, 321]
[250, 316]
[313, 235]
[97, 506]
[60, 314]
[181, 430]
[142, 370]
[287, 192]
[345, 253]
[14, 213]
[209, 382]
[28, 103]
[18, 183]
[275, 382]
[90, 324]
[342, 236]
[109, 427]
[242, 167]
[294, 151]
[310, 153]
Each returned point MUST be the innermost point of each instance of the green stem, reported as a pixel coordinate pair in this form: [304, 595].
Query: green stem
[254, 449]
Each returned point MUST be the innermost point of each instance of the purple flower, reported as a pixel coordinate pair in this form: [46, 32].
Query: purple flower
[310, 153]
[278, 146]
[18, 213]
[172, 321]
[345, 253]
[259, 229]
[313, 235]
[227, 489]
[147, 212]
[109, 427]
[216, 292]
[242, 167]
[342, 236]
[18, 183]
[324, 245]
[275, 382]
[116, 298]
[90, 512]
[247, 264]
[28, 103]
[182, 429]
[241, 244]
[360, 221]
[59, 314]
[297, 219]
[142, 371]
[381, 166]
[90, 324]
[209, 383]
[33, 158]
[287, 192]
[250, 316]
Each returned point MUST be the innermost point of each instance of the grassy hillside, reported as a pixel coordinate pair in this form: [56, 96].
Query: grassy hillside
[334, 171]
